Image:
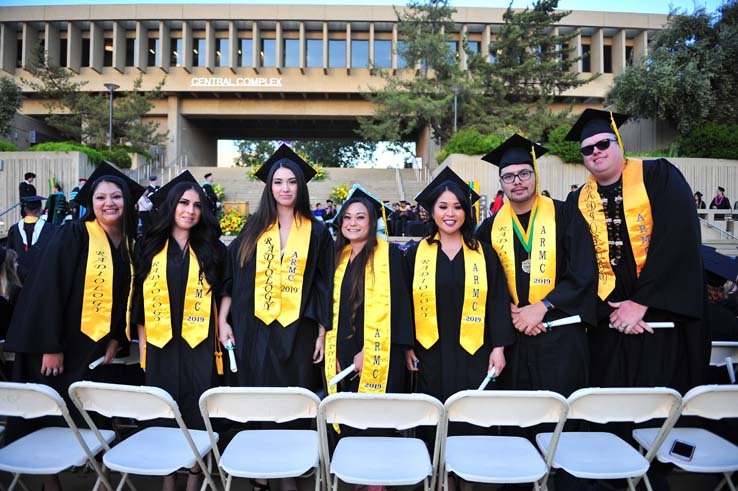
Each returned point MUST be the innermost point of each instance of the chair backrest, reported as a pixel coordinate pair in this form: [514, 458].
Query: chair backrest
[506, 407]
[363, 410]
[712, 401]
[30, 400]
[604, 405]
[243, 404]
[722, 350]
[128, 401]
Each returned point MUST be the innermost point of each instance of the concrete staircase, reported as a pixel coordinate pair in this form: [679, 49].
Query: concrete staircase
[715, 235]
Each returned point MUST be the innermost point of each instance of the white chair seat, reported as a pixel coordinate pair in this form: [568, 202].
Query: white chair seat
[595, 455]
[399, 461]
[475, 458]
[156, 451]
[712, 454]
[271, 454]
[53, 449]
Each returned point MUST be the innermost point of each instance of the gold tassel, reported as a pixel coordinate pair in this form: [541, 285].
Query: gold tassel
[218, 353]
[535, 167]
[617, 134]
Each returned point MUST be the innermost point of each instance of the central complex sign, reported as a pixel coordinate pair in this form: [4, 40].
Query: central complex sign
[236, 82]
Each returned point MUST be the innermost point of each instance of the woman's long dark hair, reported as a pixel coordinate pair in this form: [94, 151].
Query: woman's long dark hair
[130, 217]
[356, 298]
[203, 236]
[467, 228]
[267, 212]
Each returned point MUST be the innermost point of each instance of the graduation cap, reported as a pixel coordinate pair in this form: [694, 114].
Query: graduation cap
[719, 267]
[595, 121]
[158, 197]
[444, 178]
[84, 196]
[284, 153]
[32, 202]
[380, 209]
[516, 150]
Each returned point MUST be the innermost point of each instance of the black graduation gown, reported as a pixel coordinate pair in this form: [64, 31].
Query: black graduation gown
[25, 189]
[184, 372]
[350, 343]
[49, 310]
[27, 259]
[559, 359]
[447, 367]
[276, 355]
[671, 285]
[723, 205]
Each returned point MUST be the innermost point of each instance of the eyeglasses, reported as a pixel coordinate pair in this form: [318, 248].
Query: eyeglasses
[523, 175]
[601, 145]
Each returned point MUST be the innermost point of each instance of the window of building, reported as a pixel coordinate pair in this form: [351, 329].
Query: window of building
[586, 58]
[245, 52]
[629, 55]
[19, 53]
[175, 57]
[314, 53]
[359, 53]
[382, 53]
[607, 58]
[473, 46]
[336, 53]
[108, 52]
[130, 50]
[62, 52]
[268, 53]
[85, 61]
[401, 60]
[198, 51]
[153, 52]
[222, 53]
[291, 53]
[453, 49]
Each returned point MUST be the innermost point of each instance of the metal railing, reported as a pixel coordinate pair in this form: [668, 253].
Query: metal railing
[8, 217]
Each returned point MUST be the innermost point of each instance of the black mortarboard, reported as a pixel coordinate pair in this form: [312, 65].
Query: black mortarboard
[592, 122]
[357, 191]
[285, 153]
[444, 178]
[159, 196]
[719, 265]
[104, 169]
[32, 202]
[721, 189]
[514, 150]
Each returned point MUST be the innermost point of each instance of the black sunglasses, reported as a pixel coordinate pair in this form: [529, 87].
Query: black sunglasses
[601, 145]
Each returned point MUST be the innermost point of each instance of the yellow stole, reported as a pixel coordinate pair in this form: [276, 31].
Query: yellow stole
[377, 320]
[542, 253]
[97, 303]
[197, 303]
[471, 336]
[278, 284]
[638, 219]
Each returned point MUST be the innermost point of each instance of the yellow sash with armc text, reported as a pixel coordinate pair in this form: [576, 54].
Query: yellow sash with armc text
[279, 278]
[542, 224]
[97, 303]
[638, 220]
[197, 303]
[377, 320]
[471, 336]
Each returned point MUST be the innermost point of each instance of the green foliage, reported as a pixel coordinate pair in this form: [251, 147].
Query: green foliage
[469, 142]
[8, 147]
[565, 150]
[691, 74]
[712, 140]
[93, 155]
[120, 156]
[325, 153]
[10, 102]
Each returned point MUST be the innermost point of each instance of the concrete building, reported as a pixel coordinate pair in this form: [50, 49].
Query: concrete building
[270, 71]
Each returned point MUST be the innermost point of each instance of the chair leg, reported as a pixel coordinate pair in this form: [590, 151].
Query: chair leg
[318, 476]
[647, 482]
[14, 482]
[727, 479]
[229, 480]
[631, 485]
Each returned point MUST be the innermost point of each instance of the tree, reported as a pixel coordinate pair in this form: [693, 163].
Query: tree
[690, 76]
[10, 102]
[328, 153]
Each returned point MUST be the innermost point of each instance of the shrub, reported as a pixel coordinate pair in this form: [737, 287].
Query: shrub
[8, 147]
[712, 140]
[119, 155]
[565, 150]
[469, 142]
[94, 156]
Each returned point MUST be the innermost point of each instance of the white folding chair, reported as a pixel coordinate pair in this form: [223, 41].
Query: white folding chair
[49, 450]
[153, 451]
[375, 460]
[264, 454]
[602, 455]
[500, 459]
[712, 454]
[725, 354]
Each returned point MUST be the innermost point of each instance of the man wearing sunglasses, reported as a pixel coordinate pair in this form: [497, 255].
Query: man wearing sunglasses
[644, 227]
[550, 274]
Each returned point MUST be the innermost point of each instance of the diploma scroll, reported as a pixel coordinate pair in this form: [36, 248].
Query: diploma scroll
[342, 374]
[231, 356]
[574, 319]
[490, 377]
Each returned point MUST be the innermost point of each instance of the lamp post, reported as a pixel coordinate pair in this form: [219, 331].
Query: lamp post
[455, 90]
[112, 88]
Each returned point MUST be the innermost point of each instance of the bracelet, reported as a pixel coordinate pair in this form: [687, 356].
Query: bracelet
[549, 305]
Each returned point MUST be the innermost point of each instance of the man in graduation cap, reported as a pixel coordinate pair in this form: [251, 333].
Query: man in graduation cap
[30, 235]
[646, 235]
[550, 274]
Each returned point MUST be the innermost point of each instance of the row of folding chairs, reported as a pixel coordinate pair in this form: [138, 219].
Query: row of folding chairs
[370, 460]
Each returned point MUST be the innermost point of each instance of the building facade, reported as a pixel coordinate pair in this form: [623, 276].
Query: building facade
[271, 71]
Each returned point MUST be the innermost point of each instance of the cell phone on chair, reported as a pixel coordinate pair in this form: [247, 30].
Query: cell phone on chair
[682, 450]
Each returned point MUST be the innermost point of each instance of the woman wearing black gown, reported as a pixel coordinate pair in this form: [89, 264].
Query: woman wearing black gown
[181, 255]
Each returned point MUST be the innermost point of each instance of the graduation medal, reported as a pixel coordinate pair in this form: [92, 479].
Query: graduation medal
[526, 236]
